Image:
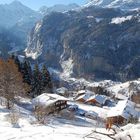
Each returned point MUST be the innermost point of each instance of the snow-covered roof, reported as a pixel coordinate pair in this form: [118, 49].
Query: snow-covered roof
[47, 99]
[85, 94]
[61, 90]
[84, 97]
[81, 92]
[99, 98]
[124, 108]
[85, 91]
[89, 92]
[90, 98]
[121, 96]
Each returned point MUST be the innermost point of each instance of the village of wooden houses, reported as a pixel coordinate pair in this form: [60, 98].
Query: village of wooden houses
[94, 104]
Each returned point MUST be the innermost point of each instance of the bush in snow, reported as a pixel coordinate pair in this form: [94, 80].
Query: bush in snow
[13, 117]
[41, 113]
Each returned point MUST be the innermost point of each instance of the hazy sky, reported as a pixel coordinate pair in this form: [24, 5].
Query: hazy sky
[36, 4]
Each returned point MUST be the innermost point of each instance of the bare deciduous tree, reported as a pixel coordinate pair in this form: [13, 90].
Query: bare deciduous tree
[11, 82]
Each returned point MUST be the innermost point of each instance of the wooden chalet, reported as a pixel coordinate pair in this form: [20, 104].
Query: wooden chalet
[121, 113]
[50, 102]
[83, 95]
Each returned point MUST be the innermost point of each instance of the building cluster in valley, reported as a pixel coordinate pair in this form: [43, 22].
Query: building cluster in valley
[116, 111]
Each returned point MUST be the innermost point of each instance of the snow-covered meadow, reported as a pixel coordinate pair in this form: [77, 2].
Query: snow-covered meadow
[60, 127]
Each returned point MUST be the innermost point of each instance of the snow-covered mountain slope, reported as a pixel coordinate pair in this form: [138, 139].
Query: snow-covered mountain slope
[58, 8]
[129, 89]
[91, 41]
[123, 4]
[16, 12]
[9, 43]
[16, 21]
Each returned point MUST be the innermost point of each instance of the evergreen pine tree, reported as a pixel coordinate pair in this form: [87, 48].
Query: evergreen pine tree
[24, 68]
[27, 72]
[36, 81]
[46, 80]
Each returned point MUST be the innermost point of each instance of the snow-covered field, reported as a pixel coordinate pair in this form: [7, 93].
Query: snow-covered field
[38, 132]
[57, 127]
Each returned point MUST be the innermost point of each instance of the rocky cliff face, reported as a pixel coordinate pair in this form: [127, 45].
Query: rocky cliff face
[92, 42]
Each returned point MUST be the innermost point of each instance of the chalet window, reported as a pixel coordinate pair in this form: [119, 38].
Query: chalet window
[62, 102]
[57, 108]
[62, 107]
[57, 103]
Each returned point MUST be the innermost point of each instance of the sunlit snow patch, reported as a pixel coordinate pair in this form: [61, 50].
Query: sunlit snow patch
[119, 20]
[67, 67]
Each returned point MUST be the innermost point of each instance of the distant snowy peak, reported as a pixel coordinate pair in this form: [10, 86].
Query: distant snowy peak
[16, 12]
[99, 2]
[18, 6]
[16, 2]
[58, 8]
[123, 4]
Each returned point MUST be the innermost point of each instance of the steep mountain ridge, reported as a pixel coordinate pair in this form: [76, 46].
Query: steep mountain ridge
[19, 19]
[92, 42]
[16, 20]
[15, 12]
